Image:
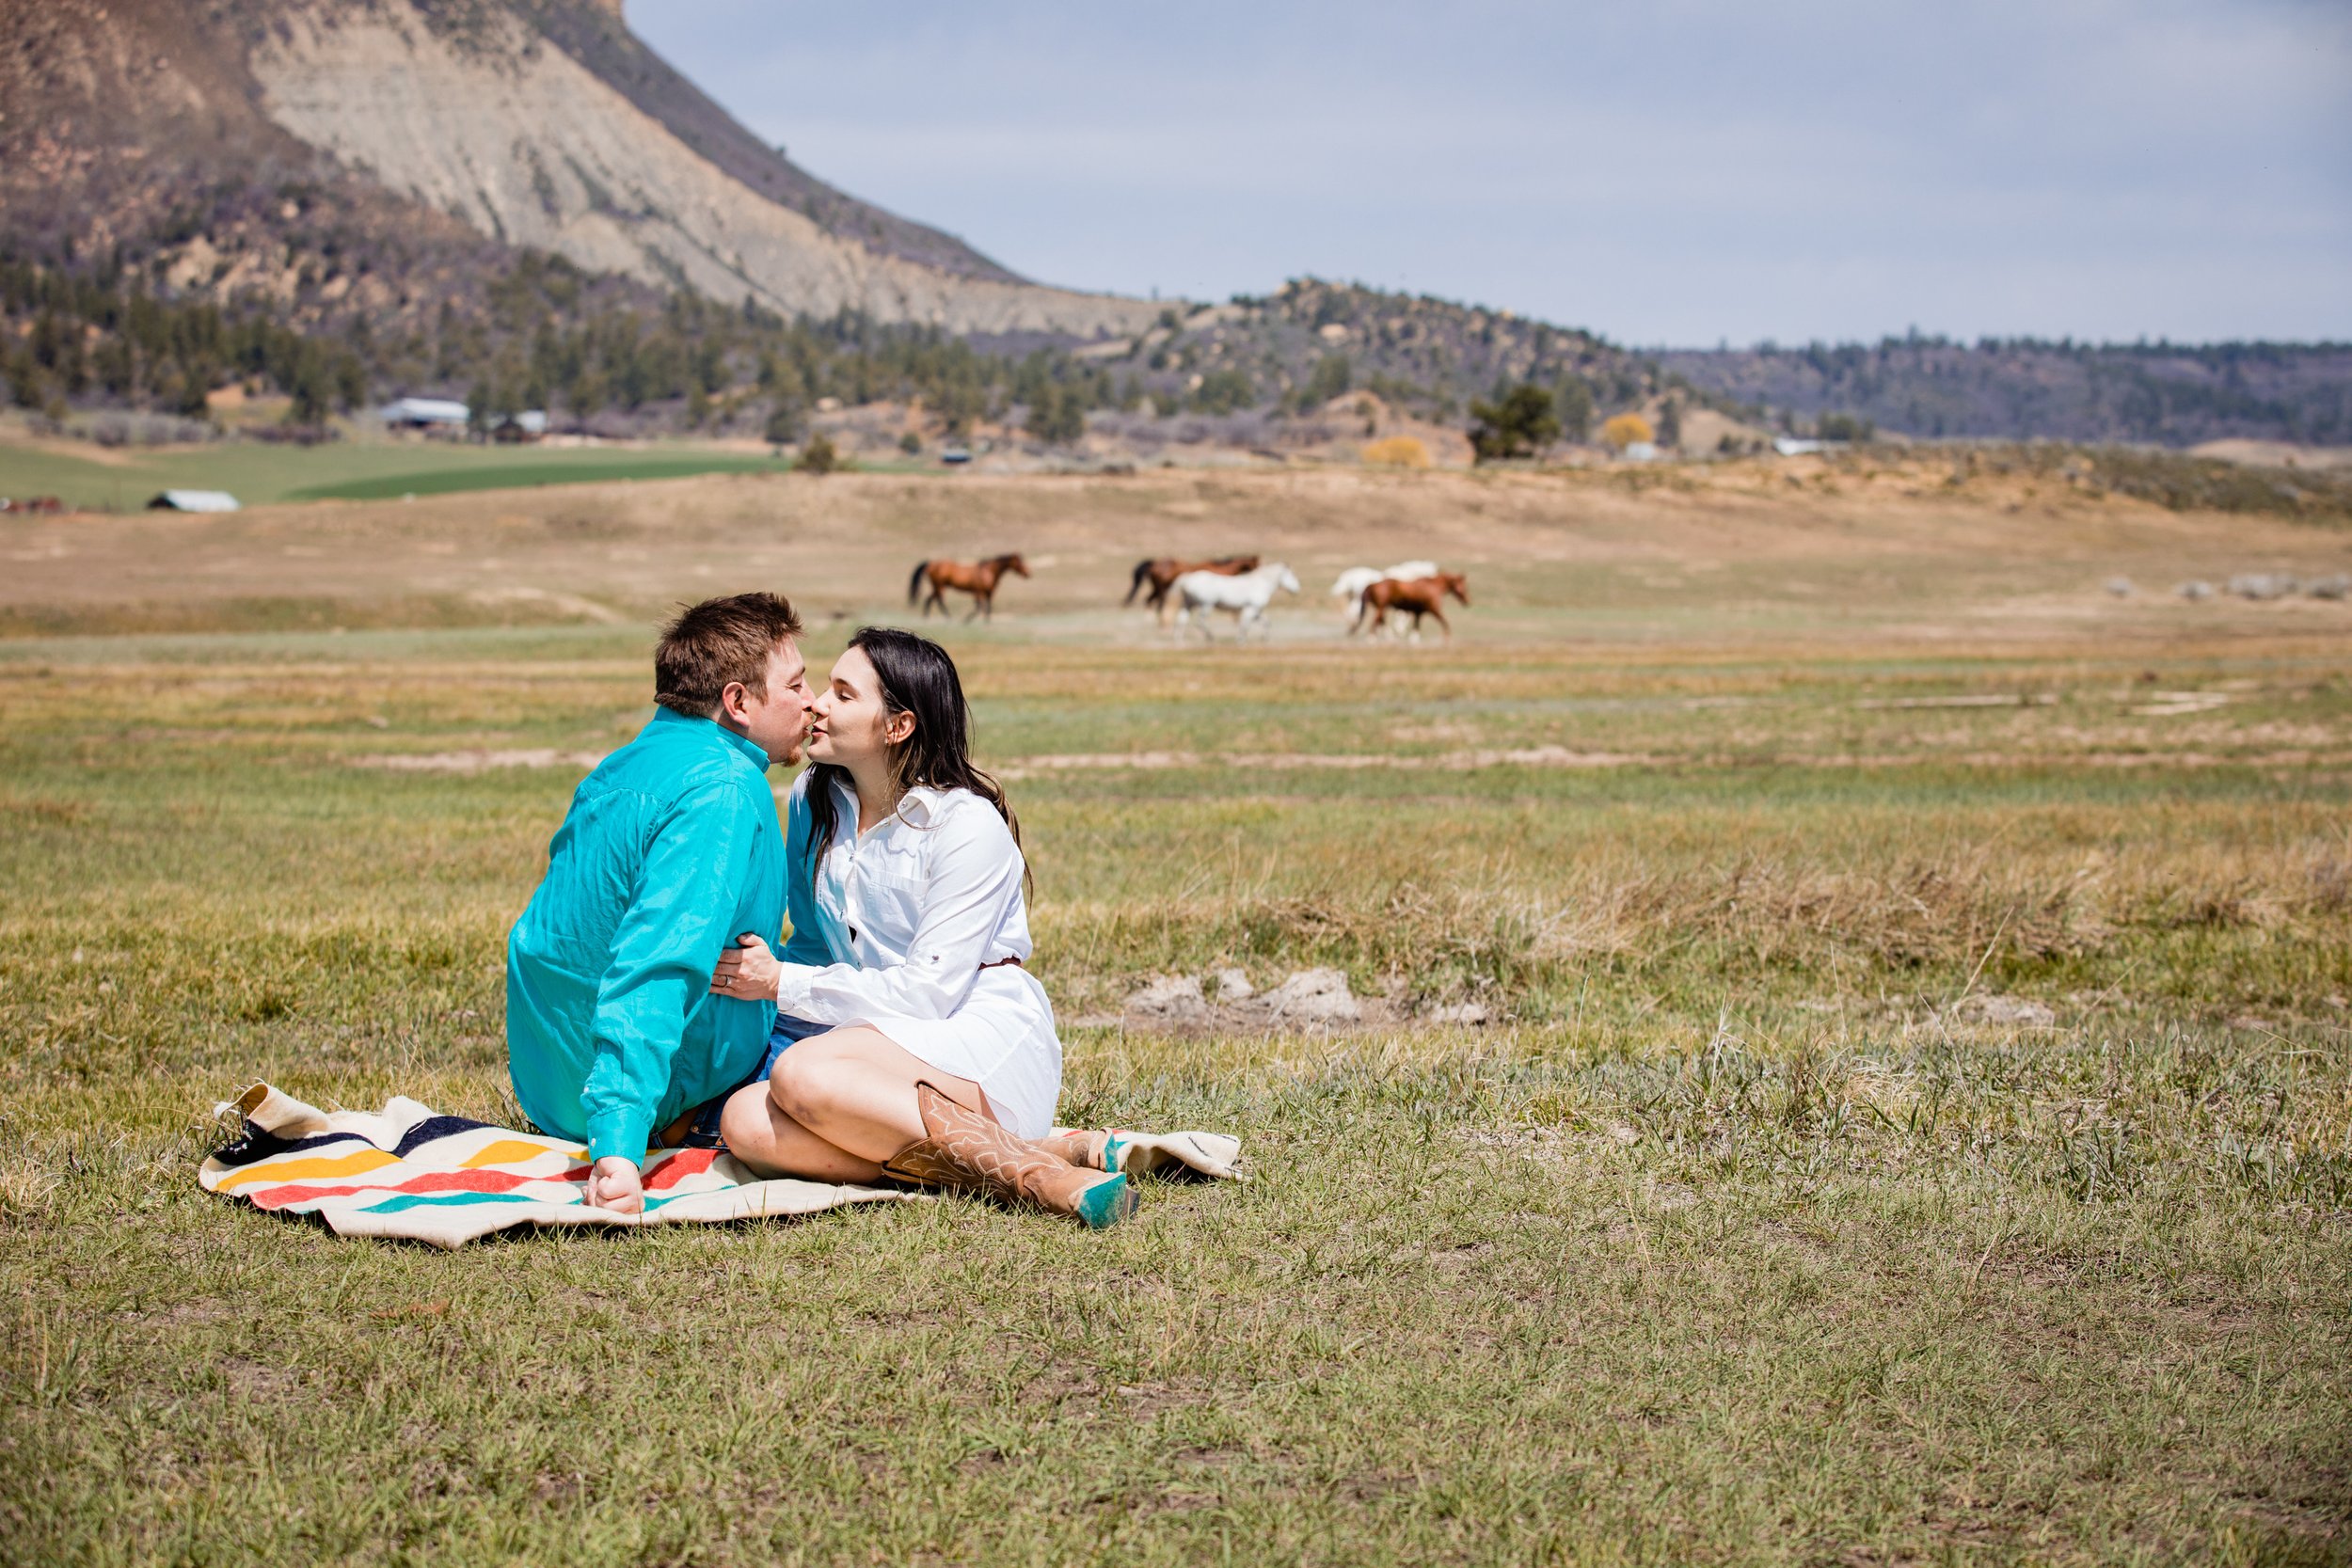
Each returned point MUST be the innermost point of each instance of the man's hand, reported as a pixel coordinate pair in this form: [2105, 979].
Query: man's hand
[615, 1184]
[747, 971]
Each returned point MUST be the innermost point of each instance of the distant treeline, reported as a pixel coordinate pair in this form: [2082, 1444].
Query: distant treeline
[599, 352]
[2024, 389]
[592, 349]
[103, 337]
[549, 339]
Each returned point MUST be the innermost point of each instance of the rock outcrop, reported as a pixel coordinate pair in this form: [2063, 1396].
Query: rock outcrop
[538, 123]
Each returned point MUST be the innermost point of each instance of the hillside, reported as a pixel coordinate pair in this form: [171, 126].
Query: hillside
[2165, 394]
[416, 135]
[516, 202]
[1315, 339]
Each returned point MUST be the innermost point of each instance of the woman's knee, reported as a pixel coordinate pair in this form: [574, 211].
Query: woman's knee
[802, 1082]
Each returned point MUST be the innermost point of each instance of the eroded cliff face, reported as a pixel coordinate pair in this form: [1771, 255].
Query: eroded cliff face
[513, 136]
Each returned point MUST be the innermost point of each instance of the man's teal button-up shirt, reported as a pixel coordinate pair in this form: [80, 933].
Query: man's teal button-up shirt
[670, 851]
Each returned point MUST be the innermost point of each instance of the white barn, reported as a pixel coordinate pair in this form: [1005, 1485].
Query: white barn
[427, 413]
[194, 500]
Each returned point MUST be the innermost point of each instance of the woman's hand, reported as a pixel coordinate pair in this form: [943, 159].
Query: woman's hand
[747, 971]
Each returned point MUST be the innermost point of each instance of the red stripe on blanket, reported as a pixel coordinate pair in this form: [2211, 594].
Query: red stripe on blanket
[678, 1166]
[434, 1182]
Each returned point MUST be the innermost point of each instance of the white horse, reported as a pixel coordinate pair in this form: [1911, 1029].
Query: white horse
[1352, 583]
[1245, 597]
[1349, 589]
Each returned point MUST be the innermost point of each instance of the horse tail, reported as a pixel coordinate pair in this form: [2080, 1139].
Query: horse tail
[914, 583]
[1135, 584]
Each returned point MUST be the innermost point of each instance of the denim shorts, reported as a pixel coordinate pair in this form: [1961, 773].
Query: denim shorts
[789, 1032]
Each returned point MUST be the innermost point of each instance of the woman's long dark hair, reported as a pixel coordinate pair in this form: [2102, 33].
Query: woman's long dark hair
[916, 676]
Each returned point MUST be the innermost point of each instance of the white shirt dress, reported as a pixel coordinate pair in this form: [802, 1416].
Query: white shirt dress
[911, 912]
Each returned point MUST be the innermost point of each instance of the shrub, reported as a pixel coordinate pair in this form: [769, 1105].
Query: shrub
[1397, 451]
[1520, 425]
[820, 456]
[1623, 429]
[910, 443]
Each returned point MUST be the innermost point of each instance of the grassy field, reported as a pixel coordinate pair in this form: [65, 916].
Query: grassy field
[1914, 1126]
[124, 479]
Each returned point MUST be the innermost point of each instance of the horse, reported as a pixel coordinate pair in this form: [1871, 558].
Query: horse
[1244, 596]
[979, 582]
[1420, 596]
[1161, 572]
[1349, 588]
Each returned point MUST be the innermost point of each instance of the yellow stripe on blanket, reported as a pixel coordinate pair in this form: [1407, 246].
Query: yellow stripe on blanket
[517, 1151]
[286, 1170]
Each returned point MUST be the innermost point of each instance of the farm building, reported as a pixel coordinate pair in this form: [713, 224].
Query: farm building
[426, 414]
[193, 501]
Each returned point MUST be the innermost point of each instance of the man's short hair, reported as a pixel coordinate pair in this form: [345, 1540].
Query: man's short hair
[717, 643]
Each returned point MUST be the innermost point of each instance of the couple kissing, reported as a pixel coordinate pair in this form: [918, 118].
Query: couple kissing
[896, 1034]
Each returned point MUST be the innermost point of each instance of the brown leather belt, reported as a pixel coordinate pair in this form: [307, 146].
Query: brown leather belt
[1000, 963]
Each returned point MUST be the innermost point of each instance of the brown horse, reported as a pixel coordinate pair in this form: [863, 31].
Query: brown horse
[1161, 572]
[1419, 595]
[979, 582]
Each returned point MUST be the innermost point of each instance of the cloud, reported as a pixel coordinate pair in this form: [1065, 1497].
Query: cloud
[1681, 171]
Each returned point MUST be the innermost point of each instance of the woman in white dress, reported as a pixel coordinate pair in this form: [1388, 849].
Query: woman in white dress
[939, 1061]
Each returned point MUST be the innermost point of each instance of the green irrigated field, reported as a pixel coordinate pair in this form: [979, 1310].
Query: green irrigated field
[1912, 1122]
[259, 473]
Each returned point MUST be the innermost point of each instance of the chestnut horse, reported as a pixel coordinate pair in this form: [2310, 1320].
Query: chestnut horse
[1419, 595]
[979, 582]
[1161, 572]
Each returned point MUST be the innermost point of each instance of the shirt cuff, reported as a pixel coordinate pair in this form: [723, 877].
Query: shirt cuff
[623, 1131]
[793, 982]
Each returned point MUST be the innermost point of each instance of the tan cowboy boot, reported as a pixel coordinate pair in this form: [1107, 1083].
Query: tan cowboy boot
[968, 1151]
[1087, 1150]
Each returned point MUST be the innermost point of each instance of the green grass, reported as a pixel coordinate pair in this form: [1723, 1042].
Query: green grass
[569, 467]
[260, 473]
[1742, 1238]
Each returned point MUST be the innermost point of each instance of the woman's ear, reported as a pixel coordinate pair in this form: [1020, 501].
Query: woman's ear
[901, 727]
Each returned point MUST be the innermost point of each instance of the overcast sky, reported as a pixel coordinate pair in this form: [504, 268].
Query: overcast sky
[1675, 172]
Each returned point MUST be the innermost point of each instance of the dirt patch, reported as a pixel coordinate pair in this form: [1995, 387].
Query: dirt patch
[1309, 999]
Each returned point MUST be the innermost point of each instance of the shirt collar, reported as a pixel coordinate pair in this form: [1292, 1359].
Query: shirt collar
[921, 803]
[916, 807]
[748, 747]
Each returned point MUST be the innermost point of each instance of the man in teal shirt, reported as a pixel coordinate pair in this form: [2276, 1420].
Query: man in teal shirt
[670, 852]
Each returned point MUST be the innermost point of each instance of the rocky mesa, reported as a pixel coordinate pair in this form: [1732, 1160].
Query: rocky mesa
[538, 123]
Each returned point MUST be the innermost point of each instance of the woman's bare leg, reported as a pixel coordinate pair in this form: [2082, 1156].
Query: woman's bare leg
[772, 1144]
[854, 1090]
[867, 1096]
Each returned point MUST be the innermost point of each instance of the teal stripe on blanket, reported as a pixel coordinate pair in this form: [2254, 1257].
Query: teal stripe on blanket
[450, 1200]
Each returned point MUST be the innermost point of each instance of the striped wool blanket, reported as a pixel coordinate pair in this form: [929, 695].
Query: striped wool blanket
[408, 1173]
